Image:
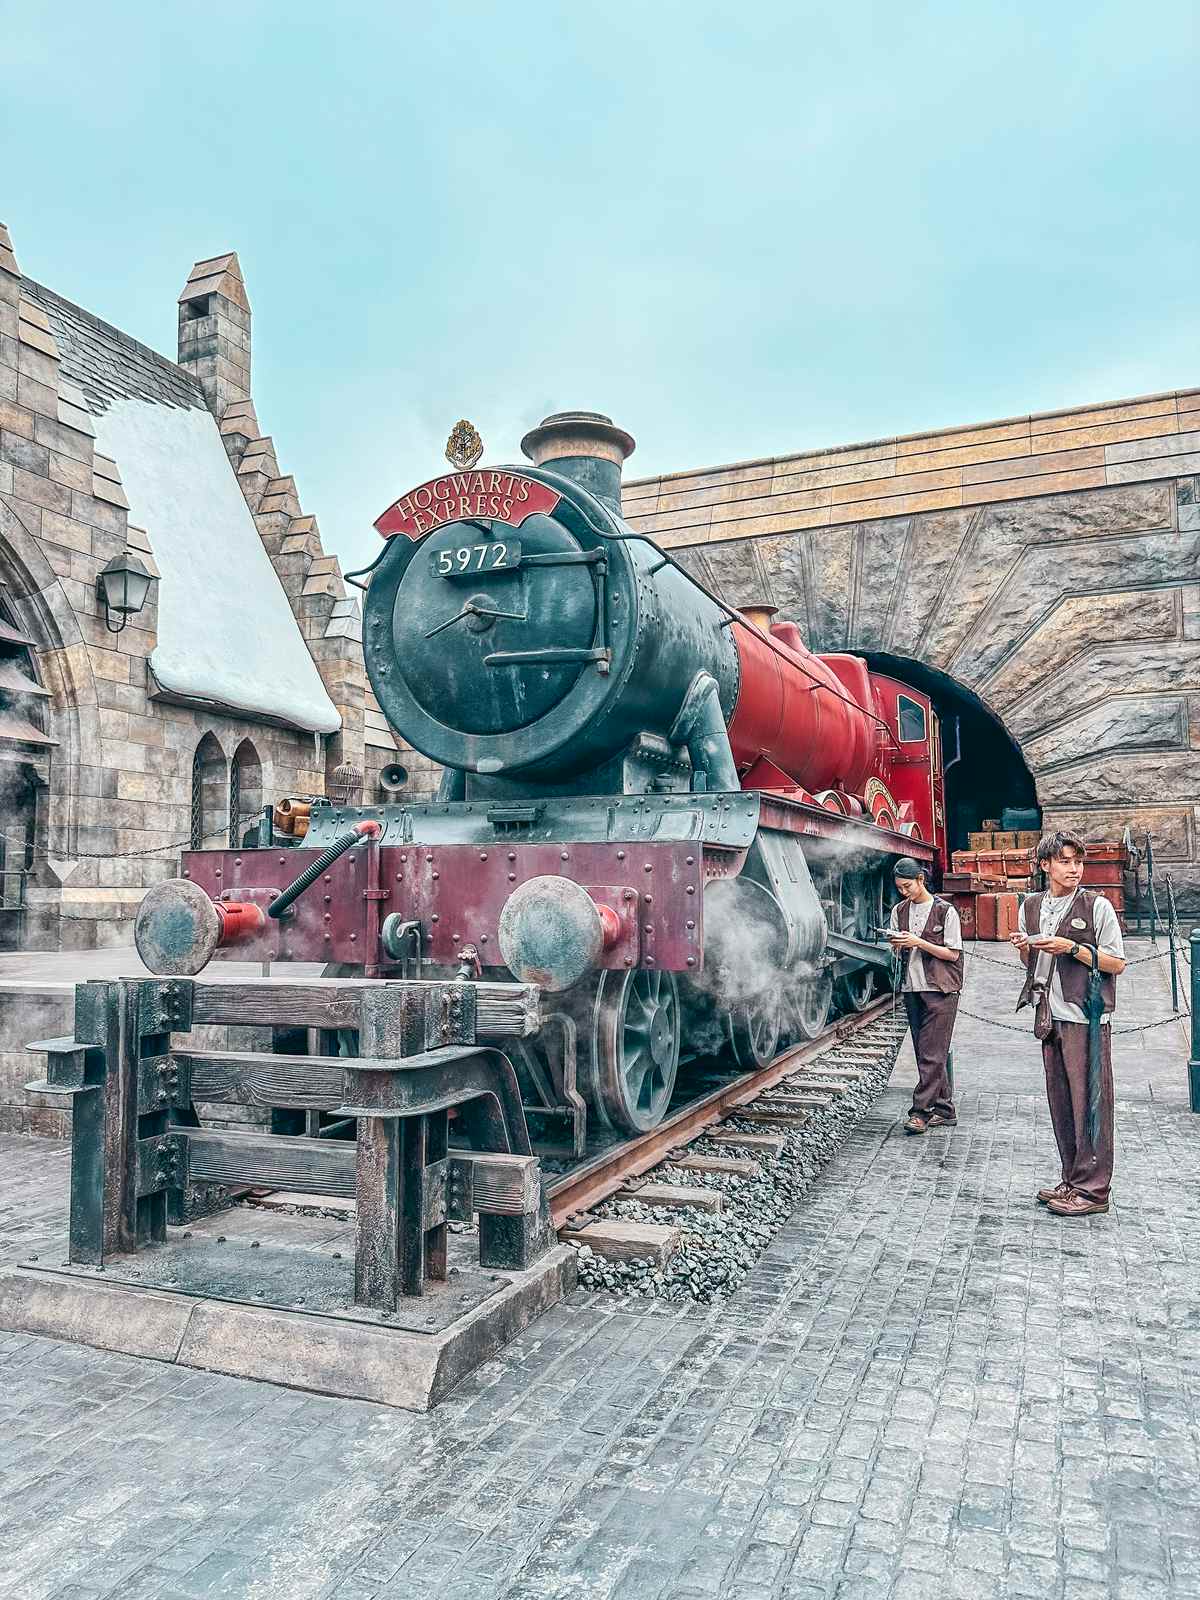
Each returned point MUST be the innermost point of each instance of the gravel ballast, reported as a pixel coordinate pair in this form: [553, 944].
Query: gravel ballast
[719, 1249]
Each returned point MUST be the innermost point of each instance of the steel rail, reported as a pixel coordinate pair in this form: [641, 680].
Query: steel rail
[600, 1178]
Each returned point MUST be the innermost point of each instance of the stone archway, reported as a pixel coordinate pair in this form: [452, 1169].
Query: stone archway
[1074, 619]
[71, 766]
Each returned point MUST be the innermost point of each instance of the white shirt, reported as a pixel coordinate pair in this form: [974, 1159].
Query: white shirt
[915, 981]
[1054, 915]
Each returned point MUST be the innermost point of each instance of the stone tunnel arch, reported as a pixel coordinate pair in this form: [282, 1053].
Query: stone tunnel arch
[985, 770]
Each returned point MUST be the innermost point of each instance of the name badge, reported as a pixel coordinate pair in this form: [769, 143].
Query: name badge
[1078, 922]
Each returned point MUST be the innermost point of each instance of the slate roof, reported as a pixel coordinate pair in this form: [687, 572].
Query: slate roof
[107, 364]
[235, 645]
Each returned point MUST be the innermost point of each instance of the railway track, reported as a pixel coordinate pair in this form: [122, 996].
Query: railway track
[573, 1194]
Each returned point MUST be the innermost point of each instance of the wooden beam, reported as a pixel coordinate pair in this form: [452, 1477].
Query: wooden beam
[502, 1008]
[302, 1083]
[315, 1166]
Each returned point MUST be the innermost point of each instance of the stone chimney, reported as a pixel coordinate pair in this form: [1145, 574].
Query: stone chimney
[214, 332]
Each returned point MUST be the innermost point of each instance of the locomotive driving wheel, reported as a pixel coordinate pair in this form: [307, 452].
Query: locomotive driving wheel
[633, 1053]
[860, 912]
[808, 1002]
[754, 1033]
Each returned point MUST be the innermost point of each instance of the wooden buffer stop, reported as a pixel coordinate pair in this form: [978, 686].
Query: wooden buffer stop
[439, 1136]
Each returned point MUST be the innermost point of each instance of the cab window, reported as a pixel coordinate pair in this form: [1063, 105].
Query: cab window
[912, 720]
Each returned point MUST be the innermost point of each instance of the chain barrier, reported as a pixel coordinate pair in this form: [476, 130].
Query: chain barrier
[1016, 1027]
[119, 855]
[1138, 961]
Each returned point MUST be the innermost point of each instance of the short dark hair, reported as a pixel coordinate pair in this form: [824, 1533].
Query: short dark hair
[906, 867]
[1053, 844]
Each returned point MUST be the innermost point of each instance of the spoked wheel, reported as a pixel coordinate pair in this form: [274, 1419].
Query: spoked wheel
[754, 1033]
[856, 991]
[633, 1053]
[808, 1002]
[859, 912]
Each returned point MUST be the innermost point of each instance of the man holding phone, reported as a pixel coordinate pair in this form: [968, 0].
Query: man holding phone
[926, 932]
[1064, 934]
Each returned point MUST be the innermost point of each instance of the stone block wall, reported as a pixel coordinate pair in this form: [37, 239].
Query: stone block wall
[1049, 564]
[118, 805]
[30, 1010]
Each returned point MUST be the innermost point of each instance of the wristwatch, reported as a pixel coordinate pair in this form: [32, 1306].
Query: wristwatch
[1074, 949]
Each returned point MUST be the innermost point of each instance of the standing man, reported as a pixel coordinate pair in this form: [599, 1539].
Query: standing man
[1065, 934]
[926, 932]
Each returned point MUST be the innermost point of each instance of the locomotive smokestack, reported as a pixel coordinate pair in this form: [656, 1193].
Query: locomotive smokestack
[585, 447]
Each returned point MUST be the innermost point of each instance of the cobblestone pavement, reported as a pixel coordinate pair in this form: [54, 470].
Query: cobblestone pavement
[930, 1387]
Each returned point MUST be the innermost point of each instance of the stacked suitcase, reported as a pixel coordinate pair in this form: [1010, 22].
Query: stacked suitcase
[987, 882]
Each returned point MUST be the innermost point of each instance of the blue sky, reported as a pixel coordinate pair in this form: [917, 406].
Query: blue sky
[741, 230]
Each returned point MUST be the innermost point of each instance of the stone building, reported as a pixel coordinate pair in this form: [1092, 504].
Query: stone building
[1038, 576]
[240, 679]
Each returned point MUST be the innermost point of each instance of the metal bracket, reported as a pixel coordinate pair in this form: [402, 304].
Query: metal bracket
[165, 1005]
[450, 1015]
[163, 1082]
[433, 1194]
[66, 1062]
[162, 1163]
[460, 1190]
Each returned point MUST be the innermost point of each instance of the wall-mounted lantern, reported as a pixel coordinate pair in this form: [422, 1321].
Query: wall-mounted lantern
[123, 586]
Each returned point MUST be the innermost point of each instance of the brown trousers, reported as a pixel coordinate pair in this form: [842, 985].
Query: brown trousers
[931, 1023]
[1087, 1168]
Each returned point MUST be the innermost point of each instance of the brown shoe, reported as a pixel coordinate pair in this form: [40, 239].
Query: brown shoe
[1077, 1205]
[938, 1119]
[916, 1123]
[1060, 1191]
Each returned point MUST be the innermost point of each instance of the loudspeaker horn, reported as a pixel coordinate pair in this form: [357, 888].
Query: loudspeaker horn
[393, 777]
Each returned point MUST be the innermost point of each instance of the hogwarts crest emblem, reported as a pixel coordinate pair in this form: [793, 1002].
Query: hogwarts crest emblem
[464, 446]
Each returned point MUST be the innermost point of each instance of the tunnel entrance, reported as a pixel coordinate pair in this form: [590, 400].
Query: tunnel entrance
[985, 772]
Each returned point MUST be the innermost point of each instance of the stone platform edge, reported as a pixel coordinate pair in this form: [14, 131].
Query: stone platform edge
[293, 1349]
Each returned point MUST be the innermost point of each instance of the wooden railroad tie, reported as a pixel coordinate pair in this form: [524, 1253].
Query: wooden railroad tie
[777, 1119]
[674, 1196]
[623, 1241]
[794, 1102]
[730, 1166]
[818, 1085]
[767, 1143]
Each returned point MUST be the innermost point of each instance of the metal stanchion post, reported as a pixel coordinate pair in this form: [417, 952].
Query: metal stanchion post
[1194, 1063]
[1171, 943]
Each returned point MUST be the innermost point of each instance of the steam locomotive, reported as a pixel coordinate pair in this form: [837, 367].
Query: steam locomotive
[668, 814]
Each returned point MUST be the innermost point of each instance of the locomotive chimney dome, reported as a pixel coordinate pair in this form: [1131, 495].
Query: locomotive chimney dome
[584, 446]
[760, 613]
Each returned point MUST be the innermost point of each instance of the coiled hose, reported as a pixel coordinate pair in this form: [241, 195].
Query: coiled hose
[309, 876]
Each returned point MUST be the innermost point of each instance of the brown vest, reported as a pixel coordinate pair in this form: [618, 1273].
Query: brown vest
[1072, 974]
[944, 976]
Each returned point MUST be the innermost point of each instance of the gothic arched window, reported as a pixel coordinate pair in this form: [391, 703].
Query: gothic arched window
[209, 817]
[245, 791]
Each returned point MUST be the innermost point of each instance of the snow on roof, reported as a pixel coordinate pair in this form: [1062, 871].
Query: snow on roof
[226, 632]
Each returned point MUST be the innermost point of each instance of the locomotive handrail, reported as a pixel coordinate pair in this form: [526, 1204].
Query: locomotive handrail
[548, 656]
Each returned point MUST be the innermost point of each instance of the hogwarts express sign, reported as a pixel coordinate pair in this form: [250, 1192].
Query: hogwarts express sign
[496, 496]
